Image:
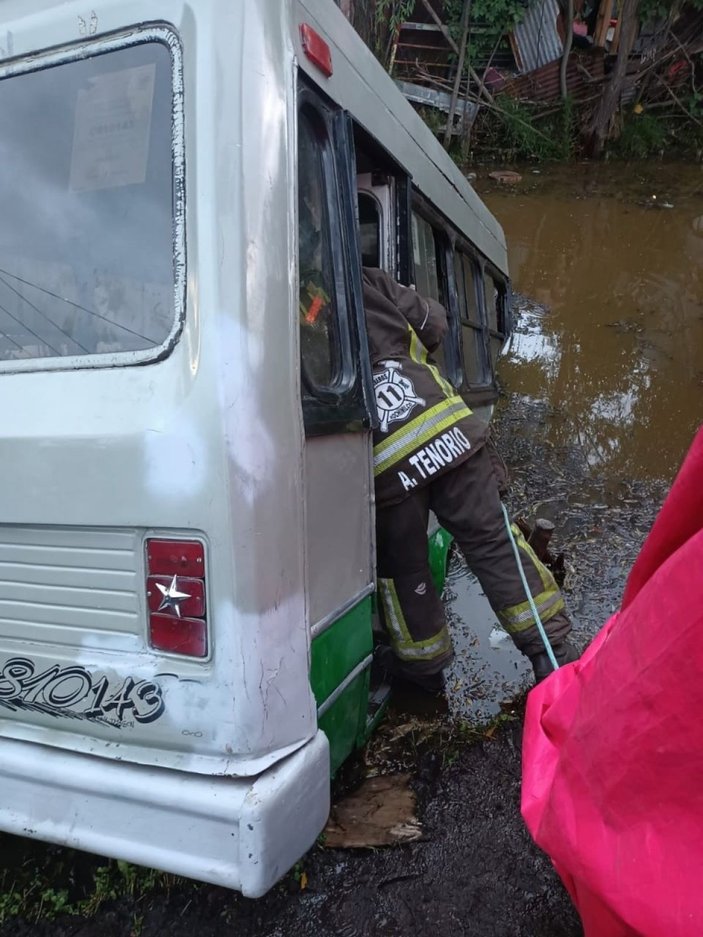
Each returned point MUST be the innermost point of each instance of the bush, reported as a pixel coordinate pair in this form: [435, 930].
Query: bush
[642, 136]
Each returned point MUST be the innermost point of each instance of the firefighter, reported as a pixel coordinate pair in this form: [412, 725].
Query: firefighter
[430, 453]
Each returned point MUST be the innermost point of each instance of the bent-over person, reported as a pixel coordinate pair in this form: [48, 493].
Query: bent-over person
[430, 454]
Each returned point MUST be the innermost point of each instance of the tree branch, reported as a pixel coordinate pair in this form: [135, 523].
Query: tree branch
[466, 13]
[454, 47]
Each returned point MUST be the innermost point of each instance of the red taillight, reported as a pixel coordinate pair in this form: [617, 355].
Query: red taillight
[175, 557]
[175, 594]
[179, 635]
[316, 49]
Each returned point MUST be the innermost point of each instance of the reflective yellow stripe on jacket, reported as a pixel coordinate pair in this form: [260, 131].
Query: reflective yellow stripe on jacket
[418, 353]
[423, 429]
[549, 602]
[418, 432]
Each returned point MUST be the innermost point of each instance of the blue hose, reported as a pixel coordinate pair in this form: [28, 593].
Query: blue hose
[528, 593]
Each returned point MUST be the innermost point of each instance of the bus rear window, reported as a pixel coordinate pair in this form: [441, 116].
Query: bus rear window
[87, 188]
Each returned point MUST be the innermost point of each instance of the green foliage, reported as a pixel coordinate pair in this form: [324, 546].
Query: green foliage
[390, 14]
[45, 890]
[694, 103]
[658, 9]
[641, 137]
[514, 132]
[33, 899]
[653, 9]
[495, 18]
[646, 136]
[10, 904]
[495, 15]
[567, 129]
[120, 879]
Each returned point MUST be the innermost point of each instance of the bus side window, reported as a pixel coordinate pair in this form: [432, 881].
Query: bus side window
[369, 231]
[472, 327]
[320, 344]
[425, 258]
[495, 295]
[431, 256]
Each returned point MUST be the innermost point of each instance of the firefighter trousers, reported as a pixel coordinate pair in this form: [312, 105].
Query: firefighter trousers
[467, 504]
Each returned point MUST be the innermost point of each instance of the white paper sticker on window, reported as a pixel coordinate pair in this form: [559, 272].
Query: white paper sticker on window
[112, 130]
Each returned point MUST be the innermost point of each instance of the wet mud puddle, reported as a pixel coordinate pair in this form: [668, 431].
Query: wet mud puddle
[487, 669]
[603, 377]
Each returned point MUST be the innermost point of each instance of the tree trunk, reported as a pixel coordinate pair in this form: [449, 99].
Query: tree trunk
[362, 18]
[568, 42]
[465, 16]
[602, 123]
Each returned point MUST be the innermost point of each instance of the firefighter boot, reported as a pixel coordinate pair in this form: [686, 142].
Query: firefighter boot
[432, 683]
[564, 652]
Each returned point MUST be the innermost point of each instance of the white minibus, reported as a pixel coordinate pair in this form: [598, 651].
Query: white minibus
[188, 192]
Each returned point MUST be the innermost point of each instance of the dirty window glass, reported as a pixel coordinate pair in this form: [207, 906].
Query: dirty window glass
[467, 275]
[492, 294]
[429, 281]
[495, 297]
[87, 195]
[425, 258]
[319, 339]
[472, 331]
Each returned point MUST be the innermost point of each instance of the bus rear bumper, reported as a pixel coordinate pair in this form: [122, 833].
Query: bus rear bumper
[241, 833]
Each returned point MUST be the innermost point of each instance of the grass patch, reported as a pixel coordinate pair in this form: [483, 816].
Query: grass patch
[650, 136]
[642, 137]
[518, 131]
[49, 882]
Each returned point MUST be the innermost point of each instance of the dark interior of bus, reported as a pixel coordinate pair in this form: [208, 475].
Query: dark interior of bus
[357, 206]
[433, 257]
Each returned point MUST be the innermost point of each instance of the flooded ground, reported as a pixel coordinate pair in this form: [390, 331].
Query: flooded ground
[602, 383]
[611, 336]
[605, 369]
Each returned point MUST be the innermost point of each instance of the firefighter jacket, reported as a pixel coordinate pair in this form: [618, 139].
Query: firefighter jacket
[425, 429]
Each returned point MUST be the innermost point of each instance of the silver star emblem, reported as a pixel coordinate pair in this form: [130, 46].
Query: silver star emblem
[172, 598]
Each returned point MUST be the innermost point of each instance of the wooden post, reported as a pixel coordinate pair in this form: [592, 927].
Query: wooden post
[603, 23]
[540, 537]
[466, 13]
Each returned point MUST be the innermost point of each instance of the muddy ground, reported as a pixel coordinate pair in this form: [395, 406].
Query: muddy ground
[476, 871]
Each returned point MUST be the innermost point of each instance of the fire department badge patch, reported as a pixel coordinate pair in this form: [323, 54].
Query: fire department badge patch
[395, 394]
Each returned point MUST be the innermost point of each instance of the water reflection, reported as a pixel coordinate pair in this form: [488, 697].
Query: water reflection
[487, 667]
[612, 332]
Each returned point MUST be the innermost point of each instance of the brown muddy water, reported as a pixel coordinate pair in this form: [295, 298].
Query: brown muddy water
[603, 377]
[610, 260]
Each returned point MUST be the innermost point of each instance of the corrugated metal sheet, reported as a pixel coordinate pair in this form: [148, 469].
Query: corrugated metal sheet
[584, 76]
[442, 100]
[536, 41]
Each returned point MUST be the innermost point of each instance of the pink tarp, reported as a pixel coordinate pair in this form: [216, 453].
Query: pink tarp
[613, 744]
